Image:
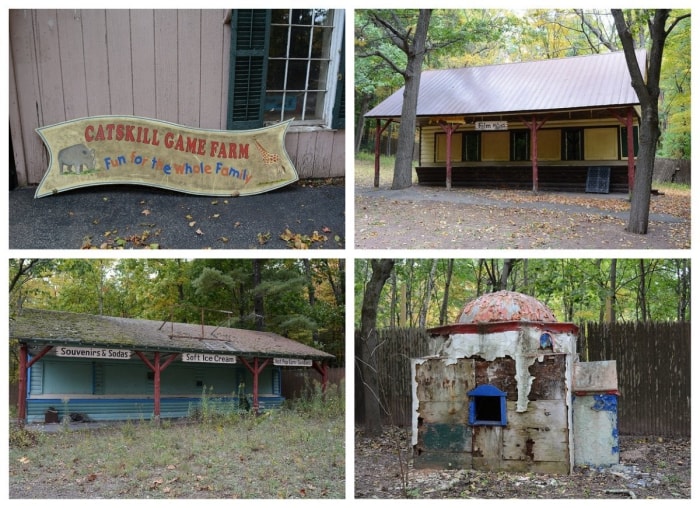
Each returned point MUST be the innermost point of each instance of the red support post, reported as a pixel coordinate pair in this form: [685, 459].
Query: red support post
[377, 148]
[255, 369]
[448, 129]
[24, 366]
[156, 367]
[535, 169]
[323, 370]
[628, 122]
[630, 150]
[534, 127]
[156, 386]
[22, 402]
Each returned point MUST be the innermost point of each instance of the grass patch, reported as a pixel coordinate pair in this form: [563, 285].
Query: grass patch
[364, 170]
[294, 452]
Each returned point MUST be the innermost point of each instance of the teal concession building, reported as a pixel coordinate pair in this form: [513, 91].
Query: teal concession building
[110, 368]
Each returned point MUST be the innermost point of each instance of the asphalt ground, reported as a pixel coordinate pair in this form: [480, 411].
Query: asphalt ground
[301, 215]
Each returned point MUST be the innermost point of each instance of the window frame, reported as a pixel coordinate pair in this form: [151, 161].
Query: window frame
[483, 392]
[334, 86]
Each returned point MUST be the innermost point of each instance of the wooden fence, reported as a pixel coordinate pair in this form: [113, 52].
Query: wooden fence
[653, 367]
[653, 370]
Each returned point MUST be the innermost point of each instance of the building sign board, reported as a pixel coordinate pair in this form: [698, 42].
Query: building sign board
[103, 150]
[208, 358]
[292, 362]
[491, 126]
[93, 353]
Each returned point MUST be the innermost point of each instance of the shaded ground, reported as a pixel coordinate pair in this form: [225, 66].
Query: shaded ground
[433, 218]
[307, 214]
[650, 467]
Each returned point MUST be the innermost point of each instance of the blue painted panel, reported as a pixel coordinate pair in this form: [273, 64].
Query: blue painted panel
[122, 409]
[55, 375]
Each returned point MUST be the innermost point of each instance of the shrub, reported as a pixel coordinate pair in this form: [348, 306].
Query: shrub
[21, 437]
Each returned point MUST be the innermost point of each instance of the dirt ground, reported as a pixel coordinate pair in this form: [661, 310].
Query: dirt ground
[423, 217]
[650, 468]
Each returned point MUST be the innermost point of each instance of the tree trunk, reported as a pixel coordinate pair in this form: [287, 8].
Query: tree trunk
[258, 304]
[403, 167]
[446, 295]
[610, 300]
[642, 292]
[381, 269]
[423, 315]
[360, 127]
[648, 93]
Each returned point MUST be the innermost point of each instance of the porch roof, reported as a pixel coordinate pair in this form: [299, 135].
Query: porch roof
[577, 83]
[46, 327]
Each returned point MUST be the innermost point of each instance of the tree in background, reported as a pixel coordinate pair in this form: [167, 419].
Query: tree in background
[577, 290]
[301, 299]
[366, 345]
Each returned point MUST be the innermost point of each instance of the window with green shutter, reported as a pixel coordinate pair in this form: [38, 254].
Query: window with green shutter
[286, 63]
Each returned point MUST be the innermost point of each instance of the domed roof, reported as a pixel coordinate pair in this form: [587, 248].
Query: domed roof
[506, 306]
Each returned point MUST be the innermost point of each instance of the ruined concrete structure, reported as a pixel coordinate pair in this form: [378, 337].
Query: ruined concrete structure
[506, 391]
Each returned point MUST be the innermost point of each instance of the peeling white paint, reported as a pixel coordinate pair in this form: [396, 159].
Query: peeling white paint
[521, 344]
[415, 402]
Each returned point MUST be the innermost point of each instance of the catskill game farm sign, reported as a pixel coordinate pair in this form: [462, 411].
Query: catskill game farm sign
[133, 150]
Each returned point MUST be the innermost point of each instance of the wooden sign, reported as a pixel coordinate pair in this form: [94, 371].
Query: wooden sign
[491, 126]
[92, 353]
[292, 362]
[104, 150]
[208, 358]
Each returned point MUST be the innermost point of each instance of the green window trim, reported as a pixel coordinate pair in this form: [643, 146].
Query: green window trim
[623, 140]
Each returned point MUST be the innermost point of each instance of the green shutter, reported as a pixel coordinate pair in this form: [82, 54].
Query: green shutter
[338, 121]
[250, 33]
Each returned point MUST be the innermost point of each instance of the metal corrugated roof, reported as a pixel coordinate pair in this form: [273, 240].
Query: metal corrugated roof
[581, 82]
[47, 327]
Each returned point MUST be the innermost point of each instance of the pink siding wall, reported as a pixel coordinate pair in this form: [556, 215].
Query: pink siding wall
[166, 64]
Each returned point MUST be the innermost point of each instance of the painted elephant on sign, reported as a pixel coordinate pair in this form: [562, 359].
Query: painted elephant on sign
[76, 156]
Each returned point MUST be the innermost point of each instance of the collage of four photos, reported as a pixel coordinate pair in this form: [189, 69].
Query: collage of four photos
[481, 290]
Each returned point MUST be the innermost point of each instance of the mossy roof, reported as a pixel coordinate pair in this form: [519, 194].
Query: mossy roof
[47, 327]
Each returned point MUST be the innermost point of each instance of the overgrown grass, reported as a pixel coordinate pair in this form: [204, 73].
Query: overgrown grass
[294, 452]
[364, 170]
[669, 187]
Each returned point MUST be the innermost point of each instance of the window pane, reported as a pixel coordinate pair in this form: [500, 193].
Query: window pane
[299, 52]
[300, 41]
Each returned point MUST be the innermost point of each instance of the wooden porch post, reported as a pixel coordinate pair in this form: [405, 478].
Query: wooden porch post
[322, 369]
[22, 400]
[255, 369]
[630, 150]
[24, 366]
[448, 129]
[377, 147]
[534, 127]
[627, 121]
[156, 367]
[156, 386]
[377, 143]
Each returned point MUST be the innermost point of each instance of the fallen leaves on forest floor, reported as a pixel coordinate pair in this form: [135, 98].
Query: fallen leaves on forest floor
[650, 467]
[425, 218]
